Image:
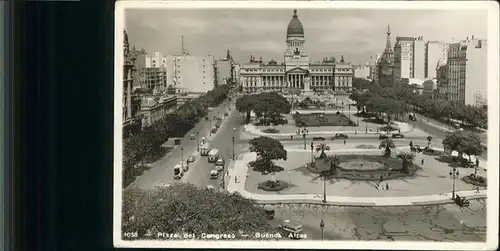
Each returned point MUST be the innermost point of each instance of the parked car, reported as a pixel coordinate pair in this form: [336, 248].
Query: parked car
[226, 114]
[191, 159]
[397, 135]
[214, 174]
[292, 230]
[382, 136]
[341, 136]
[319, 139]
[191, 136]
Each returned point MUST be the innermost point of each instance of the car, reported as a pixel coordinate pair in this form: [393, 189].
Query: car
[292, 230]
[214, 174]
[397, 135]
[383, 136]
[226, 114]
[319, 138]
[341, 136]
[210, 187]
[191, 159]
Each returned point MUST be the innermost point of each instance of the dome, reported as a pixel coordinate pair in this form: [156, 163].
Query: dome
[295, 26]
[272, 62]
[441, 62]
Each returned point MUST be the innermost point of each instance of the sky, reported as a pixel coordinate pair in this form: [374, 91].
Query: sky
[355, 34]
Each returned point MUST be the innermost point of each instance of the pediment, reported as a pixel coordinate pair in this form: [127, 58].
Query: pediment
[297, 70]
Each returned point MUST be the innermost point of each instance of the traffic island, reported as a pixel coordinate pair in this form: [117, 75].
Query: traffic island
[260, 166]
[322, 119]
[270, 130]
[361, 167]
[273, 186]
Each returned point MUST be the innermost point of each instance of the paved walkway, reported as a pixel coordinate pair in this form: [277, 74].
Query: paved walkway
[237, 177]
[251, 129]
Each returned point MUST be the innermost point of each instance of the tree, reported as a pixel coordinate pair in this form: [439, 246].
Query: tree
[245, 104]
[322, 148]
[471, 145]
[268, 149]
[387, 145]
[452, 142]
[334, 161]
[407, 159]
[167, 210]
[429, 138]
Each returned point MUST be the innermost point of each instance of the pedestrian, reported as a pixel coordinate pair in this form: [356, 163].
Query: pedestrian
[477, 162]
[477, 189]
[381, 178]
[399, 130]
[291, 137]
[386, 186]
[344, 141]
[422, 161]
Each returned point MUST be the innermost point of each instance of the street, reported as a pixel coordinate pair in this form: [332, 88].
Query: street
[162, 170]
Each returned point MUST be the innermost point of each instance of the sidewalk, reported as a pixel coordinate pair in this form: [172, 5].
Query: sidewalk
[251, 129]
[238, 185]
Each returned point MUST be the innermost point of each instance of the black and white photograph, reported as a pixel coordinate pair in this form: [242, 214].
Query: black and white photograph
[306, 125]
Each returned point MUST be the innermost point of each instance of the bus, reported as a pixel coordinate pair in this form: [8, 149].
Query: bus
[213, 155]
[204, 149]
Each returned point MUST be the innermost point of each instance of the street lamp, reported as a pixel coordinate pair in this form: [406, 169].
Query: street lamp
[312, 147]
[324, 189]
[342, 106]
[234, 130]
[197, 141]
[453, 175]
[182, 155]
[366, 128]
[322, 227]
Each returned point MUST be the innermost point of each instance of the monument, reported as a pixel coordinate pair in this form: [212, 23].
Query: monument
[307, 86]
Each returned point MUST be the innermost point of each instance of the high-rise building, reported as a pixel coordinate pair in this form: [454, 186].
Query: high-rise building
[403, 60]
[434, 51]
[152, 70]
[191, 74]
[224, 69]
[296, 70]
[419, 58]
[467, 72]
[362, 71]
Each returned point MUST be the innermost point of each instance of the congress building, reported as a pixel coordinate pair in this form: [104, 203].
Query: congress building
[297, 72]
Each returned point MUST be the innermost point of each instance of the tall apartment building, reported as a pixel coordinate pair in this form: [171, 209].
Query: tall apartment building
[362, 71]
[467, 72]
[434, 51]
[418, 58]
[151, 70]
[403, 60]
[188, 73]
[409, 59]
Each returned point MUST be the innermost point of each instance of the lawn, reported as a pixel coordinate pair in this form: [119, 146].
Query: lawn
[322, 119]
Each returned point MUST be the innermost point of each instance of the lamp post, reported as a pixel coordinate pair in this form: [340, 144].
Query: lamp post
[453, 175]
[312, 147]
[182, 155]
[342, 106]
[234, 130]
[324, 189]
[366, 128]
[304, 133]
[322, 227]
[198, 141]
[358, 119]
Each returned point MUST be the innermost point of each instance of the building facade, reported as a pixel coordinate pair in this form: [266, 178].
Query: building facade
[430, 89]
[434, 51]
[418, 58]
[403, 60]
[191, 74]
[151, 70]
[154, 108]
[130, 101]
[362, 71]
[467, 72]
[296, 72]
[224, 69]
[385, 64]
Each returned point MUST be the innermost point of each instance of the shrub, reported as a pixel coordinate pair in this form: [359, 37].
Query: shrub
[272, 186]
[271, 130]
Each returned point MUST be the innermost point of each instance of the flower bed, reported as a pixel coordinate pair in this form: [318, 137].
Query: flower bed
[270, 130]
[475, 180]
[322, 119]
[273, 186]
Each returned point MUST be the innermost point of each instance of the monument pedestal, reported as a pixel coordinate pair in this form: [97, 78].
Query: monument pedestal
[307, 92]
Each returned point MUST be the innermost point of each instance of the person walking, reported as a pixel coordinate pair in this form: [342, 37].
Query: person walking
[344, 141]
[477, 189]
[386, 186]
[291, 137]
[422, 161]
